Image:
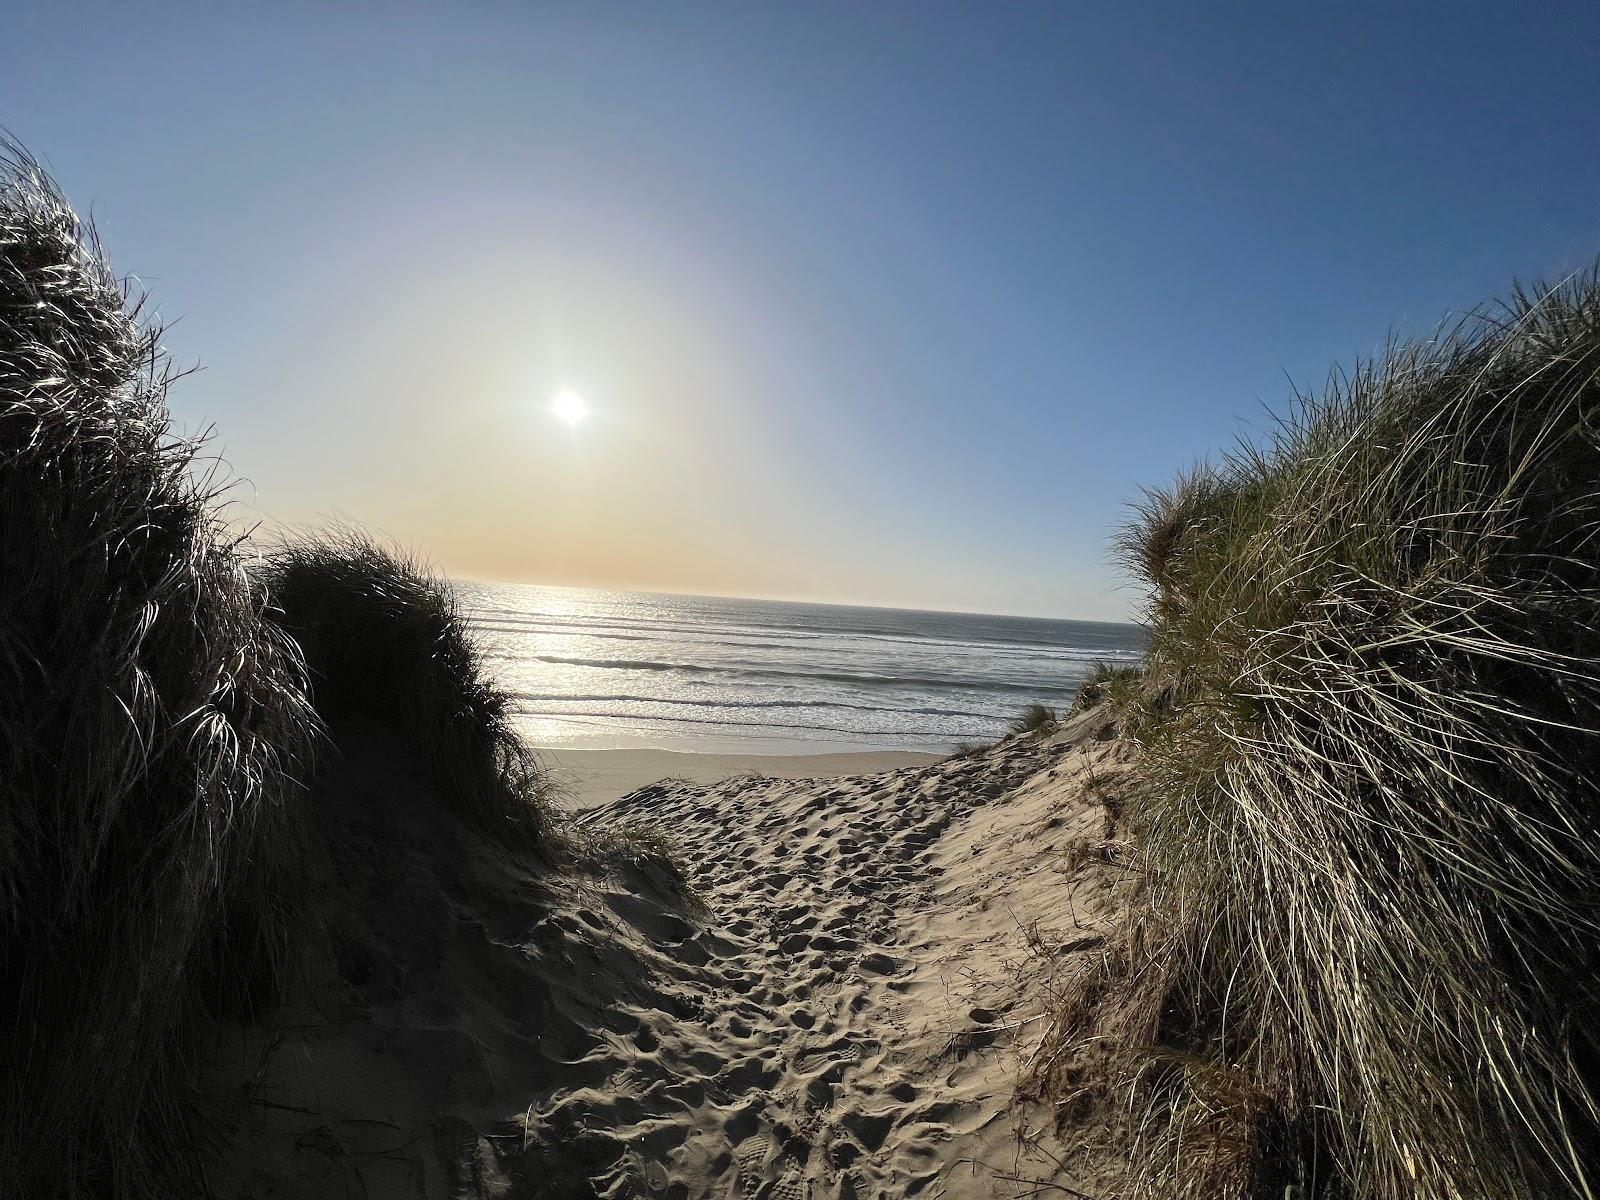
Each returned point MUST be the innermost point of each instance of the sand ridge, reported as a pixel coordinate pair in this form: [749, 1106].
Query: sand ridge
[844, 1013]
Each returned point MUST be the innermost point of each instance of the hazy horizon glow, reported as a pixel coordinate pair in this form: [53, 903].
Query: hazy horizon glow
[894, 305]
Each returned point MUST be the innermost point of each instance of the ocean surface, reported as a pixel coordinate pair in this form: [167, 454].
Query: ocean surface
[596, 669]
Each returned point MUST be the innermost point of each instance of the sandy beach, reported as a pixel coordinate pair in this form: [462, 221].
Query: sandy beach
[591, 777]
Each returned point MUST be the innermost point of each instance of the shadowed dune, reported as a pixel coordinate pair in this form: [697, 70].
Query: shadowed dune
[154, 736]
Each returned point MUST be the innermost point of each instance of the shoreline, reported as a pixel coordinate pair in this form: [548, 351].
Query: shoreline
[588, 778]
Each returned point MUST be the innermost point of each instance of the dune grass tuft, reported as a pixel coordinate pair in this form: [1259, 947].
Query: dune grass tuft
[643, 844]
[1034, 718]
[385, 642]
[1370, 813]
[154, 730]
[1108, 681]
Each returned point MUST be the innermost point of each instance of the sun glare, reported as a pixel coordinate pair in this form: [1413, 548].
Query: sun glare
[569, 407]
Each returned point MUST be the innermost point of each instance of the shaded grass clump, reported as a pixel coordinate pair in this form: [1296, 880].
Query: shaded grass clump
[1370, 814]
[384, 642]
[1108, 682]
[642, 844]
[1032, 719]
[154, 729]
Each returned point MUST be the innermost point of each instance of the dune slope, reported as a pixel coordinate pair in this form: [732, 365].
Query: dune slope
[839, 1008]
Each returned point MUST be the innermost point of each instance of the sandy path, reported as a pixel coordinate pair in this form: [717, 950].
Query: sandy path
[864, 987]
[845, 1017]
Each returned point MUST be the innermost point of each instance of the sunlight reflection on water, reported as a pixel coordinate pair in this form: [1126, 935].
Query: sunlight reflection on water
[614, 669]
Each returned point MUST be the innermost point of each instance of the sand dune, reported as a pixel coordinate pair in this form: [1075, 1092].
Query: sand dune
[843, 1012]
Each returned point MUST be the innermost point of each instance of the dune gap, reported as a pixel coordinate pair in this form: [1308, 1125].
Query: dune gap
[840, 1004]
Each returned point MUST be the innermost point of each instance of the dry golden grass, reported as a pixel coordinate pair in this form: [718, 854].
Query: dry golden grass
[1364, 958]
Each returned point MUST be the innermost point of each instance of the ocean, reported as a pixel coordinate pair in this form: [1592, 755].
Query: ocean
[597, 669]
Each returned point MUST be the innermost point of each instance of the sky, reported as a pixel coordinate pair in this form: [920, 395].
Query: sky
[872, 303]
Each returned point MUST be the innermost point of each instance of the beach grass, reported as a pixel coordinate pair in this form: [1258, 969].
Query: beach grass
[385, 642]
[1363, 961]
[155, 729]
[166, 698]
[1033, 719]
[1109, 681]
[642, 844]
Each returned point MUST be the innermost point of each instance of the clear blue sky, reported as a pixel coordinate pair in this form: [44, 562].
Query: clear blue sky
[878, 303]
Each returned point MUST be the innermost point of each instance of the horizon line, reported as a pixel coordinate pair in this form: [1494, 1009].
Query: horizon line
[649, 591]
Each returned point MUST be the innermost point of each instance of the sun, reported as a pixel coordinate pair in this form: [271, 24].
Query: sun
[569, 407]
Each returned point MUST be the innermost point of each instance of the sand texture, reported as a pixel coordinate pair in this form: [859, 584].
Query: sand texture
[840, 1008]
[593, 777]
